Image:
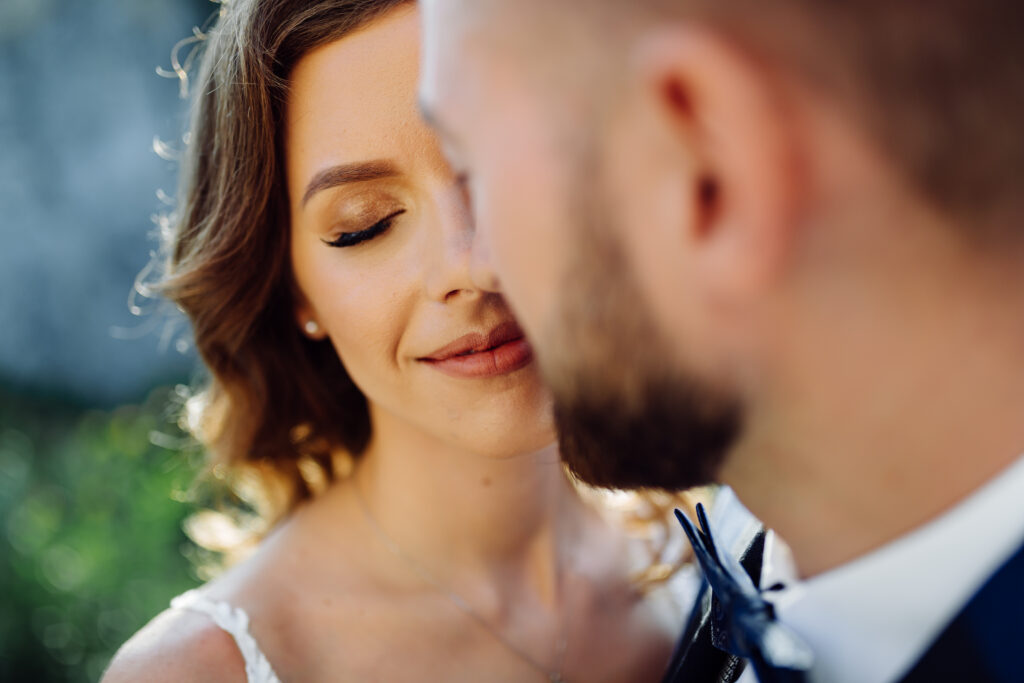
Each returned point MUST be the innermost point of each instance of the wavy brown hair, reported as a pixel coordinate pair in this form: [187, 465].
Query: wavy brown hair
[277, 405]
[274, 398]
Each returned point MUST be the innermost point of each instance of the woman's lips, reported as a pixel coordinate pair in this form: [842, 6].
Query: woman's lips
[500, 352]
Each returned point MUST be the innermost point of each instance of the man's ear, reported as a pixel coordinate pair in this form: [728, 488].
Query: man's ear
[728, 113]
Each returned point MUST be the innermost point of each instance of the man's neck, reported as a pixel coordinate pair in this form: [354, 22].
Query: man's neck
[874, 438]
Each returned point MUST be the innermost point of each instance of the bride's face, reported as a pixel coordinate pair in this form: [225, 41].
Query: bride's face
[380, 250]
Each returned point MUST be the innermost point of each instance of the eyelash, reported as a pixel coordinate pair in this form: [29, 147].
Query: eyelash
[351, 239]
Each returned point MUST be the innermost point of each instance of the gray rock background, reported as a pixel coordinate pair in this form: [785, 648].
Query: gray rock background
[80, 105]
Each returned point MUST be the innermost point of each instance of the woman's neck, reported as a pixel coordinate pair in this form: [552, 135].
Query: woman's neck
[471, 519]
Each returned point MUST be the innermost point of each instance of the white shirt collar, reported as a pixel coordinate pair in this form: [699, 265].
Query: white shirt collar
[870, 620]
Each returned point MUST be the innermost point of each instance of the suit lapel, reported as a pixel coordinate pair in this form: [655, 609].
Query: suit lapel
[985, 642]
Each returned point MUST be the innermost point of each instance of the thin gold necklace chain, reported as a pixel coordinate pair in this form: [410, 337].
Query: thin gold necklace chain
[553, 675]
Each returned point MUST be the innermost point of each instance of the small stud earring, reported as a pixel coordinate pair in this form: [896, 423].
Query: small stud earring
[311, 327]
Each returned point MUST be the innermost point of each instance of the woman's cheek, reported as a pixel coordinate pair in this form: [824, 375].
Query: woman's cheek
[367, 324]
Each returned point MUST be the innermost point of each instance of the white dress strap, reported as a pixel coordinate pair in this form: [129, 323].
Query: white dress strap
[235, 621]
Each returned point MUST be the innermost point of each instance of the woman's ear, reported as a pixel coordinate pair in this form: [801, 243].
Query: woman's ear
[312, 329]
[306, 318]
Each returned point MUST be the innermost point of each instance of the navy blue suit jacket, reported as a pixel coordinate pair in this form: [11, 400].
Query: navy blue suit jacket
[983, 644]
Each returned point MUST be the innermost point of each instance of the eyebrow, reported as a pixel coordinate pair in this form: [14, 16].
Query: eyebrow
[343, 174]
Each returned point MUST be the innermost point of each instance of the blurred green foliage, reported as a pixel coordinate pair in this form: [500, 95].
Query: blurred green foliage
[91, 542]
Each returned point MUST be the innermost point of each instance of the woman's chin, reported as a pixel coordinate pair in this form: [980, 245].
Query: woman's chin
[512, 441]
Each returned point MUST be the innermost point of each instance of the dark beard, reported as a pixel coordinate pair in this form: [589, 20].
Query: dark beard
[625, 420]
[673, 439]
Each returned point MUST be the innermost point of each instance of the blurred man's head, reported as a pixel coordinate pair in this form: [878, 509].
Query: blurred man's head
[702, 208]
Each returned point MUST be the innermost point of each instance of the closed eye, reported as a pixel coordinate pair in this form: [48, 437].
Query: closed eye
[350, 239]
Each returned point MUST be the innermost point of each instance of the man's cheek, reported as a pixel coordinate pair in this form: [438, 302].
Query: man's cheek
[529, 280]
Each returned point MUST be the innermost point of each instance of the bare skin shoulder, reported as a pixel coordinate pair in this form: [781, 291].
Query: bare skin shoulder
[178, 646]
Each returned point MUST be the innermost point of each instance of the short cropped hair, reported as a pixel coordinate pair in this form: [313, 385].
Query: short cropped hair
[938, 84]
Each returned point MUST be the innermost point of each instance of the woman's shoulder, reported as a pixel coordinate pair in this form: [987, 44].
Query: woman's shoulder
[258, 611]
[178, 645]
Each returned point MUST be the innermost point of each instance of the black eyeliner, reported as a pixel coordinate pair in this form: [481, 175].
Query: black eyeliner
[350, 239]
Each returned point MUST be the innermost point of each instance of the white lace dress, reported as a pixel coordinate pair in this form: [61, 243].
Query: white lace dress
[682, 589]
[235, 621]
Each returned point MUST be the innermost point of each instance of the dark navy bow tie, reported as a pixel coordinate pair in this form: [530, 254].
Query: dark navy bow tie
[742, 622]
